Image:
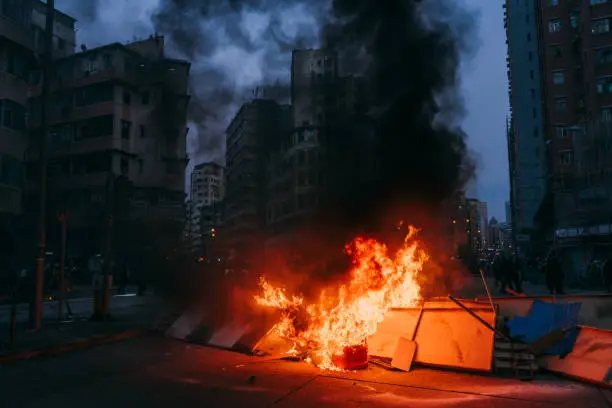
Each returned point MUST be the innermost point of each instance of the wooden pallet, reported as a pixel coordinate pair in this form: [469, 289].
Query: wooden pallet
[514, 357]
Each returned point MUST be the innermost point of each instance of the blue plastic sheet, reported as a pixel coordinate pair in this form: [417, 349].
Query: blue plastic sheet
[544, 318]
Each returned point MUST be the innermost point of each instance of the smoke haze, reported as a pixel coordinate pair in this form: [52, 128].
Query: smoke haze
[409, 51]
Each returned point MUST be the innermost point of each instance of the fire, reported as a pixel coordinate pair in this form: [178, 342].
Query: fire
[352, 312]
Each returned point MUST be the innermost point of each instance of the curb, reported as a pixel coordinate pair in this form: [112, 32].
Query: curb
[72, 346]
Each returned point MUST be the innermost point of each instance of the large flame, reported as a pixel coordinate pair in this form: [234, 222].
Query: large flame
[346, 317]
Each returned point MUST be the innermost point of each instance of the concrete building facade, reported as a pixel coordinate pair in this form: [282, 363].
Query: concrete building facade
[206, 192]
[527, 146]
[116, 110]
[255, 129]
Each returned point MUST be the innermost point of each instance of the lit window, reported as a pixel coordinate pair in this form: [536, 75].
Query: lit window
[574, 17]
[596, 2]
[606, 114]
[562, 132]
[604, 85]
[554, 25]
[600, 26]
[558, 77]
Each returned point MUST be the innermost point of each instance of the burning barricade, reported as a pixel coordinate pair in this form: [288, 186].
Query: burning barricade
[332, 331]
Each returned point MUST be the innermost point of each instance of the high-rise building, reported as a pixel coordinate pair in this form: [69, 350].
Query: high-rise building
[573, 40]
[304, 168]
[206, 190]
[257, 127]
[508, 212]
[483, 216]
[116, 110]
[527, 146]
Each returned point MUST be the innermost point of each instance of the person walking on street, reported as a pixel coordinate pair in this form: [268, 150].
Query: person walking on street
[554, 275]
[508, 272]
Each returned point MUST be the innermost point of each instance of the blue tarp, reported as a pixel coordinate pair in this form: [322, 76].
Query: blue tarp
[544, 318]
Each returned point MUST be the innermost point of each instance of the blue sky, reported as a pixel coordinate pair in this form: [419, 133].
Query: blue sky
[484, 78]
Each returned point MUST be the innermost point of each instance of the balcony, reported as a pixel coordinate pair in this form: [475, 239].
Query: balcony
[73, 114]
[14, 88]
[91, 78]
[16, 33]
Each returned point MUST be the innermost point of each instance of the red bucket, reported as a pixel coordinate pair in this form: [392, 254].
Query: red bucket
[352, 358]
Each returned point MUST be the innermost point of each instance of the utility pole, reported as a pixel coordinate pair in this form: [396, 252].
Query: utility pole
[46, 61]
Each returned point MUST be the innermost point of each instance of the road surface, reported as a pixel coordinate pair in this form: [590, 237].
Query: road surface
[156, 372]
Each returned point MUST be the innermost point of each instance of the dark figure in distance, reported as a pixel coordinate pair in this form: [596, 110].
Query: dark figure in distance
[554, 275]
[509, 273]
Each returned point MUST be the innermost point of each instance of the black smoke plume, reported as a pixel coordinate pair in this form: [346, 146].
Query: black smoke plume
[219, 36]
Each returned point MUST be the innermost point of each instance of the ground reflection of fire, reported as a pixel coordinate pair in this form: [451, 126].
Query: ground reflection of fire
[345, 316]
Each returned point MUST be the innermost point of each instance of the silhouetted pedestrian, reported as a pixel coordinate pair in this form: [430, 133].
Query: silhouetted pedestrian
[554, 275]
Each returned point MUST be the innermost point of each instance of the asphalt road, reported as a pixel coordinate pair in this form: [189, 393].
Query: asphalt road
[155, 372]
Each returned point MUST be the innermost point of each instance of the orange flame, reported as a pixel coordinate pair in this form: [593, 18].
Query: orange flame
[347, 317]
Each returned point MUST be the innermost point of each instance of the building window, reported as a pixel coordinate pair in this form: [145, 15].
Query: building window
[126, 127]
[554, 25]
[560, 105]
[565, 157]
[596, 2]
[606, 114]
[604, 85]
[558, 77]
[556, 51]
[562, 132]
[528, 37]
[603, 56]
[553, 2]
[600, 26]
[530, 56]
[533, 93]
[127, 97]
[61, 44]
[107, 59]
[574, 19]
[531, 74]
[12, 115]
[142, 131]
[125, 165]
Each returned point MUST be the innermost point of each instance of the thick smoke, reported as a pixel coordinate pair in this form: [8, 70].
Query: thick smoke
[412, 56]
[238, 49]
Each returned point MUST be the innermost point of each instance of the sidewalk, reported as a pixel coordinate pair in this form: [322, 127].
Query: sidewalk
[128, 320]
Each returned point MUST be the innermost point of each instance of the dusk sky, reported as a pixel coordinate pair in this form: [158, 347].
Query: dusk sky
[484, 76]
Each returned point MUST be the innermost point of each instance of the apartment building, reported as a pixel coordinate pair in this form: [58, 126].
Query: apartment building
[206, 192]
[574, 43]
[304, 169]
[21, 22]
[526, 132]
[253, 132]
[116, 110]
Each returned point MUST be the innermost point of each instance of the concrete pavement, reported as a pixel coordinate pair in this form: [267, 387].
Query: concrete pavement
[129, 314]
[155, 372]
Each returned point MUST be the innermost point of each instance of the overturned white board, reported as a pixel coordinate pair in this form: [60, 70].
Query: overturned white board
[186, 324]
[590, 359]
[447, 335]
